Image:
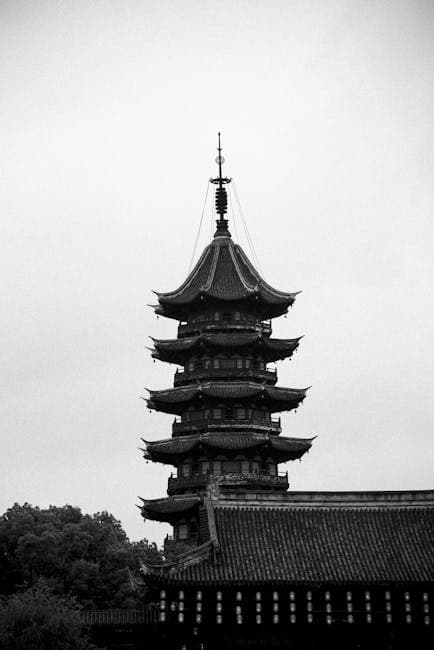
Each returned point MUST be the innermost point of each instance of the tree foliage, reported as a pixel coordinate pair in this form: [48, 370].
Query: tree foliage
[40, 620]
[84, 556]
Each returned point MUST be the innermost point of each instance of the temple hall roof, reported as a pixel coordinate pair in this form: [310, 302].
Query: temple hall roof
[168, 451]
[179, 350]
[368, 538]
[173, 400]
[224, 273]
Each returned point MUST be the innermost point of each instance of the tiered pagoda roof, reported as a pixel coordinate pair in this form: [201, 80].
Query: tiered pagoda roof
[225, 394]
[179, 350]
[170, 450]
[173, 400]
[225, 274]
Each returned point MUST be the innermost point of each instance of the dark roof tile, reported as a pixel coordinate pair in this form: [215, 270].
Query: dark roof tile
[169, 450]
[224, 272]
[178, 350]
[293, 545]
[276, 398]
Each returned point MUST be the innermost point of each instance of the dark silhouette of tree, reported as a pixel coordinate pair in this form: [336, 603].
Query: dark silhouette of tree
[84, 556]
[39, 620]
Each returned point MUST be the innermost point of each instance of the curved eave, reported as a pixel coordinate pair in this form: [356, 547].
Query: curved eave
[168, 509]
[174, 400]
[290, 448]
[179, 350]
[267, 309]
[224, 274]
[170, 451]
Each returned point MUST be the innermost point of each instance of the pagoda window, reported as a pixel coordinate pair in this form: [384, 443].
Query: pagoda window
[217, 466]
[217, 315]
[255, 467]
[237, 315]
[247, 363]
[239, 363]
[258, 414]
[193, 529]
[240, 413]
[182, 531]
[205, 466]
[217, 413]
[272, 469]
[185, 470]
[229, 413]
[245, 467]
[190, 366]
[231, 466]
[216, 363]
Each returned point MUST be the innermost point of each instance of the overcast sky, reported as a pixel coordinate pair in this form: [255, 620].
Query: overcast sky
[109, 115]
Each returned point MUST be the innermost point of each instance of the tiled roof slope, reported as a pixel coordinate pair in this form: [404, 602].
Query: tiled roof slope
[178, 350]
[170, 449]
[298, 544]
[277, 398]
[224, 272]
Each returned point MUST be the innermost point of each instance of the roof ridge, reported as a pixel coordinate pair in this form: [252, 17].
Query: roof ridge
[211, 275]
[186, 558]
[240, 274]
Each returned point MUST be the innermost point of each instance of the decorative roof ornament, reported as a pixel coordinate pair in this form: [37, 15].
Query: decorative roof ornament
[221, 195]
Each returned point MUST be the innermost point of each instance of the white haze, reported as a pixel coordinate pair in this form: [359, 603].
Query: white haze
[109, 115]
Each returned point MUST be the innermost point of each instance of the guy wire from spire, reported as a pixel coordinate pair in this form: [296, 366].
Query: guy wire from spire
[198, 231]
[246, 230]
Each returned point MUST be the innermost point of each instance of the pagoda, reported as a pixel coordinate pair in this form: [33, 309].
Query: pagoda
[224, 398]
[263, 566]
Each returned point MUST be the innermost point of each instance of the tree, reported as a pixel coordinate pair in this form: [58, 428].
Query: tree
[85, 556]
[39, 620]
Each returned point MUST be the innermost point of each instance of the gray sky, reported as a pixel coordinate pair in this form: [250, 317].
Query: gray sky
[109, 114]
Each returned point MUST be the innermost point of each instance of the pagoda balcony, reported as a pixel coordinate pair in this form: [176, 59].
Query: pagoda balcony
[223, 325]
[261, 480]
[250, 374]
[221, 425]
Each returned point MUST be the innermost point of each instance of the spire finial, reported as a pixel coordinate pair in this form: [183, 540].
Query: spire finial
[220, 160]
[221, 196]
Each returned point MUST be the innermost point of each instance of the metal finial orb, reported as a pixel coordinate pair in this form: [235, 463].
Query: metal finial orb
[220, 159]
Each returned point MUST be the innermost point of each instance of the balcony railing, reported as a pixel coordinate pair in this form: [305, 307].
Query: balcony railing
[224, 424]
[251, 479]
[224, 325]
[186, 376]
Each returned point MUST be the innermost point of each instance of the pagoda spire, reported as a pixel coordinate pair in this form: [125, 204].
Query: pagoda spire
[221, 196]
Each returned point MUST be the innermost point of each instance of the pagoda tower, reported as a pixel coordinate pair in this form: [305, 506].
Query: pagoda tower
[225, 399]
